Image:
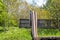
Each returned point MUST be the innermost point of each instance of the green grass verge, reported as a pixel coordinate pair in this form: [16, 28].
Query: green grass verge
[15, 33]
[48, 32]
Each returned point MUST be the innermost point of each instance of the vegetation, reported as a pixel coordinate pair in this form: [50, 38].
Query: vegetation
[12, 10]
[53, 7]
[12, 13]
[48, 32]
[2, 14]
[15, 33]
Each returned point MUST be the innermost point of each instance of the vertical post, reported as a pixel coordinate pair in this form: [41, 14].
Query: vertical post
[34, 25]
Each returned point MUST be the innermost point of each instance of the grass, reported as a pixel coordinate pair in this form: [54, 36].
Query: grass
[15, 33]
[48, 32]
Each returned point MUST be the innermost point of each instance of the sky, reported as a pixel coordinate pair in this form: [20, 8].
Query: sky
[38, 2]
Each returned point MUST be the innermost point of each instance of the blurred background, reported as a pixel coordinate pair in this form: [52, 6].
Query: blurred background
[11, 11]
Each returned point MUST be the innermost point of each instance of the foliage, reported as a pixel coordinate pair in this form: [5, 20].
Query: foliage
[6, 19]
[20, 9]
[3, 15]
[42, 13]
[12, 10]
[15, 33]
[53, 6]
[48, 32]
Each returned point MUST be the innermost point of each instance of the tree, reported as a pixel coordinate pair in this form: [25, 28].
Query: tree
[16, 8]
[53, 6]
[3, 15]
